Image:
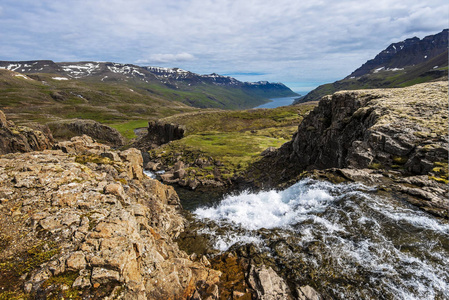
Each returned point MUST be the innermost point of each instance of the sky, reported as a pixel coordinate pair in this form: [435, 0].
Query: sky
[300, 43]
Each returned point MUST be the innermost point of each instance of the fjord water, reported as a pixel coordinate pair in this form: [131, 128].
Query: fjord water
[276, 102]
[346, 240]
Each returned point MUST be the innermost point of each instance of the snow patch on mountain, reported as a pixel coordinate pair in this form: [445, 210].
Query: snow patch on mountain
[81, 69]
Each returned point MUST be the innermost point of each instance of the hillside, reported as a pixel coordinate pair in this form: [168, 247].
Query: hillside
[401, 64]
[172, 84]
[44, 98]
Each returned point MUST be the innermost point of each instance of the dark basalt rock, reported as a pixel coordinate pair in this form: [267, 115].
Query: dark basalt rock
[67, 129]
[160, 133]
[23, 138]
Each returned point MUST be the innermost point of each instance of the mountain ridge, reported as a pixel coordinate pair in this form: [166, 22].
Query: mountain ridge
[111, 71]
[401, 64]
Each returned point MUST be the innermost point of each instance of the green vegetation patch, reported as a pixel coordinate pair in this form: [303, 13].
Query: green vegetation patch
[232, 148]
[228, 142]
[61, 286]
[244, 120]
[126, 129]
[12, 268]
[31, 258]
[440, 172]
[400, 160]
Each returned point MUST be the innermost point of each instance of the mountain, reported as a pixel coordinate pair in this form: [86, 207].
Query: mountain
[173, 84]
[401, 64]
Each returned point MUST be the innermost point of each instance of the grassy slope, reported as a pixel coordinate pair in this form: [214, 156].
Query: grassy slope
[125, 105]
[386, 79]
[235, 138]
[46, 98]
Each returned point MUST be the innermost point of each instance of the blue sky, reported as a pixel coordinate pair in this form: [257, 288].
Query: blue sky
[301, 43]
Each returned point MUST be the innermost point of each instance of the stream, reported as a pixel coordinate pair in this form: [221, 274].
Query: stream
[346, 240]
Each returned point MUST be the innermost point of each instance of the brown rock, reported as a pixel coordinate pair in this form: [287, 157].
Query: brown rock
[134, 161]
[308, 293]
[160, 133]
[82, 282]
[3, 121]
[87, 225]
[21, 138]
[115, 189]
[101, 275]
[76, 261]
[180, 174]
[267, 284]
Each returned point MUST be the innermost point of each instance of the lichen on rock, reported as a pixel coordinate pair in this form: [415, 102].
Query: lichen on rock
[91, 228]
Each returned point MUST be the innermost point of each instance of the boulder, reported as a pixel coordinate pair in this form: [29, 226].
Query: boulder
[267, 284]
[3, 121]
[308, 293]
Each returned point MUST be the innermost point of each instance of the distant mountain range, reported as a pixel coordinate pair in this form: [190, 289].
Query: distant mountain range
[401, 64]
[184, 85]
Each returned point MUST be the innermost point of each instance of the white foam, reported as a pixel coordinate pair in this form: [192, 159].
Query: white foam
[401, 250]
[268, 210]
[149, 174]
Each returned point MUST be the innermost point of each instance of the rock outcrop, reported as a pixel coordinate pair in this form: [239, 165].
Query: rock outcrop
[357, 129]
[87, 223]
[402, 132]
[66, 129]
[160, 133]
[23, 138]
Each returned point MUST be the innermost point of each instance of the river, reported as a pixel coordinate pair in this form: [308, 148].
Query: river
[348, 241]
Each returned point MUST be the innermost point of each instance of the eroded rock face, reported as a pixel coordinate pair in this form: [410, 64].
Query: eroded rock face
[389, 127]
[391, 133]
[66, 129]
[160, 133]
[88, 222]
[23, 138]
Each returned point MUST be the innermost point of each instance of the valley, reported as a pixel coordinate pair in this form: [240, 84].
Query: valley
[127, 182]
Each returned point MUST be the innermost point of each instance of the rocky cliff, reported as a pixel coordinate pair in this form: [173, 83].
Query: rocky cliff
[67, 129]
[159, 133]
[399, 134]
[84, 222]
[23, 138]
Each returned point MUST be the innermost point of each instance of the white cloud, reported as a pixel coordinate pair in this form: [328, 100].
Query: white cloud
[284, 40]
[167, 58]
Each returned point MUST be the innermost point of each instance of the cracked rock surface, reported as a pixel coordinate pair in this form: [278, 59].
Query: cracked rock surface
[84, 221]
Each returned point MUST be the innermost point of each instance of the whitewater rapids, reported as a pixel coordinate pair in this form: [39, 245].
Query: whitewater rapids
[355, 242]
